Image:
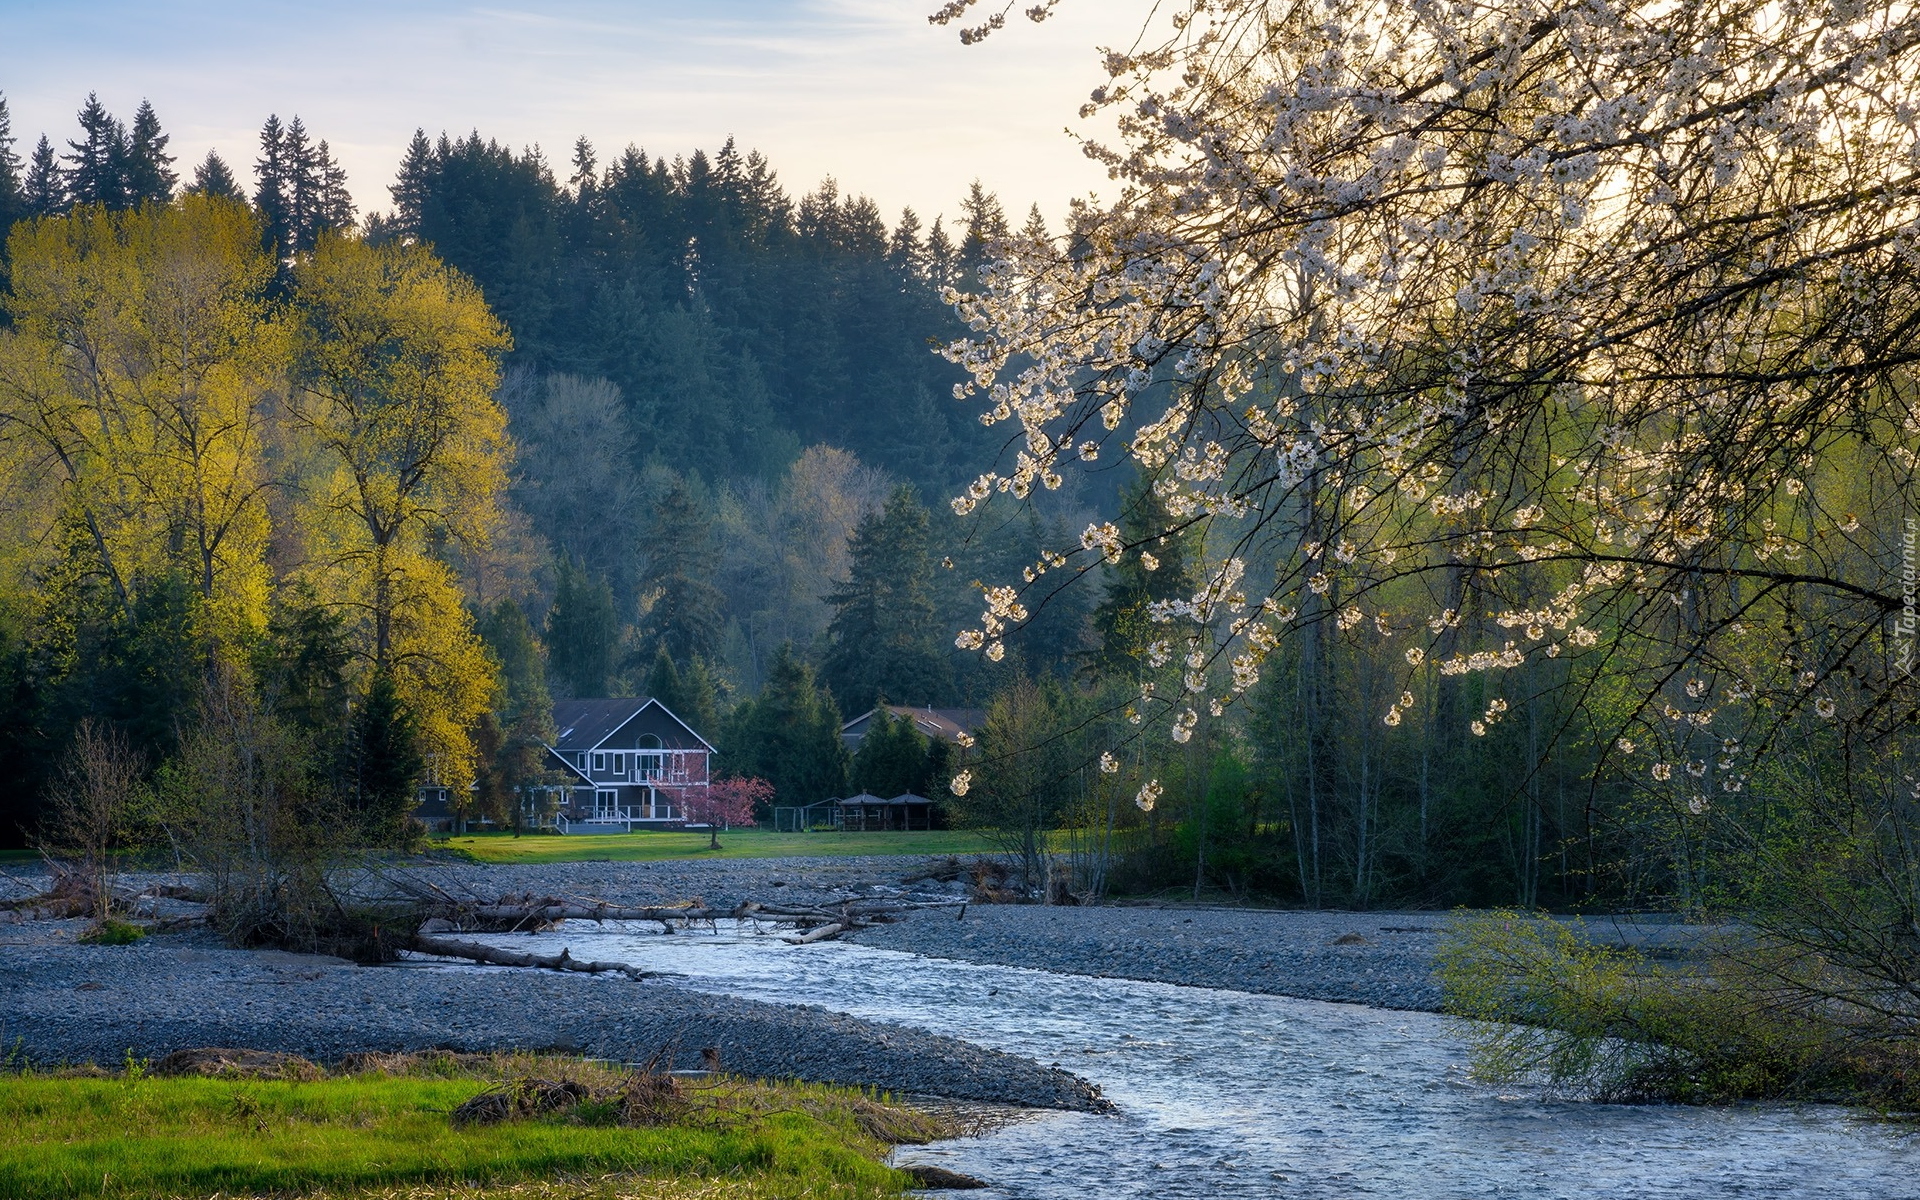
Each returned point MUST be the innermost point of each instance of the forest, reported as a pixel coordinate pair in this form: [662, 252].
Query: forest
[378, 487]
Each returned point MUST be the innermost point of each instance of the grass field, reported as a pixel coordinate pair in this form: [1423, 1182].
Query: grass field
[745, 843]
[144, 1138]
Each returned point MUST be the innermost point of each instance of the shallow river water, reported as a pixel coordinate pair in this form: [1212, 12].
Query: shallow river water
[1229, 1094]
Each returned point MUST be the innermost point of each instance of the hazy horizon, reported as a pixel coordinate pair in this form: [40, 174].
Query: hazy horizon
[863, 90]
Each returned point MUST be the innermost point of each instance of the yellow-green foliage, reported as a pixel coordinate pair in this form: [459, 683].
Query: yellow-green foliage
[1551, 1005]
[138, 1137]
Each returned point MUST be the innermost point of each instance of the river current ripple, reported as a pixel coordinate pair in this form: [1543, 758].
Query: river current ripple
[1227, 1094]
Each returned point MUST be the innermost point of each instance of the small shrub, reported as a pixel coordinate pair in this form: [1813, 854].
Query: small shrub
[112, 933]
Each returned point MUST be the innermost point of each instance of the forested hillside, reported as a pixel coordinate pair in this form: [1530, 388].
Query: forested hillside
[725, 420]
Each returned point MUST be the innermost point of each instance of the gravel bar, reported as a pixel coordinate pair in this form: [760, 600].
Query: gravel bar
[1278, 953]
[72, 1003]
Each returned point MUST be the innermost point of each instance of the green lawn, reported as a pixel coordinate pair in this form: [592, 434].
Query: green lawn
[160, 1139]
[657, 846]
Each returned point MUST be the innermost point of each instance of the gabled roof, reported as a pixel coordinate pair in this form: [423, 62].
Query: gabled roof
[947, 724]
[586, 724]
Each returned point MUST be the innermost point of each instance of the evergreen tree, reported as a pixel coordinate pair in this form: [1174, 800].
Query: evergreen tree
[149, 174]
[511, 743]
[333, 204]
[943, 262]
[582, 632]
[13, 190]
[411, 189]
[789, 735]
[687, 613]
[893, 757]
[986, 224]
[905, 254]
[387, 763]
[270, 195]
[690, 694]
[213, 178]
[46, 189]
[95, 170]
[1036, 227]
[885, 634]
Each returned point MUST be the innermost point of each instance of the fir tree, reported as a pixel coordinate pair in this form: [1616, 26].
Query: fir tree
[893, 757]
[270, 196]
[687, 614]
[905, 254]
[582, 632]
[986, 225]
[333, 204]
[387, 763]
[46, 190]
[95, 170]
[943, 263]
[410, 190]
[149, 174]
[1036, 227]
[511, 743]
[885, 634]
[13, 191]
[213, 178]
[690, 694]
[789, 735]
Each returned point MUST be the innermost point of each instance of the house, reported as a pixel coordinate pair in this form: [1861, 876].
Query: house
[629, 764]
[948, 724]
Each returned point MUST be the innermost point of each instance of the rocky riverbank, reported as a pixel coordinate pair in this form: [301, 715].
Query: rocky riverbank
[62, 1002]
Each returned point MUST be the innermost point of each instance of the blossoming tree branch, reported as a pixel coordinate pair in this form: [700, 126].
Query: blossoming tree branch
[1502, 333]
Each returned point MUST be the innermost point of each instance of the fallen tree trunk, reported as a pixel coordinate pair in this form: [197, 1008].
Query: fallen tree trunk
[517, 916]
[475, 952]
[820, 934]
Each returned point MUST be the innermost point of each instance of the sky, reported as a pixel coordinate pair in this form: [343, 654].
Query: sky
[863, 90]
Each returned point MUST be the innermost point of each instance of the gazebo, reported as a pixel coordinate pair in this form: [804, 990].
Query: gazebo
[869, 812]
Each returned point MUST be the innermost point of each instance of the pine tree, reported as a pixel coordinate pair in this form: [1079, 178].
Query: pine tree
[46, 189]
[893, 757]
[905, 254]
[511, 746]
[300, 162]
[387, 763]
[411, 188]
[943, 263]
[687, 614]
[13, 192]
[885, 633]
[333, 204]
[149, 174]
[95, 169]
[1035, 230]
[690, 694]
[986, 225]
[582, 632]
[270, 196]
[789, 735]
[213, 178]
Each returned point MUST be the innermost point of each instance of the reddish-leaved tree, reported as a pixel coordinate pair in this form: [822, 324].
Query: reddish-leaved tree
[729, 800]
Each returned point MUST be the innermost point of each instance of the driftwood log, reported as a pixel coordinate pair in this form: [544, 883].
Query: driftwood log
[492, 956]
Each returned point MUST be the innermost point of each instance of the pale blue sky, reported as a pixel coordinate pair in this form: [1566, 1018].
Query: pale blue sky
[863, 89]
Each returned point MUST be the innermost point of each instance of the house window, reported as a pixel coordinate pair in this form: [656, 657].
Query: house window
[606, 803]
[619, 763]
[599, 762]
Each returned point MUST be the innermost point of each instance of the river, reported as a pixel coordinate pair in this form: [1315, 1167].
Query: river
[1230, 1094]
